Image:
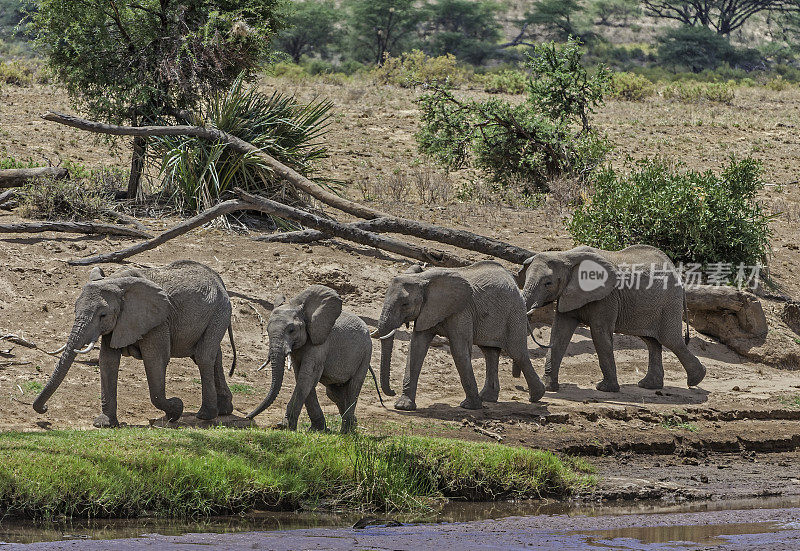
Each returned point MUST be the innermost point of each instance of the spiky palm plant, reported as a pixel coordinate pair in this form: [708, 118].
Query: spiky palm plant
[195, 172]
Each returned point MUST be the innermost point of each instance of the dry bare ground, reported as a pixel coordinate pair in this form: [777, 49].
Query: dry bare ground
[741, 406]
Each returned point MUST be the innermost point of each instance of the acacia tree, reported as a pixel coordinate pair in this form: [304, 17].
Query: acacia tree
[139, 61]
[723, 16]
[310, 28]
[377, 28]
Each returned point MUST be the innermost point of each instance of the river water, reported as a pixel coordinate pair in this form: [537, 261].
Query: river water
[725, 525]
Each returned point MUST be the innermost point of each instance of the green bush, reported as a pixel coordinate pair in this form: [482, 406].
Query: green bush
[693, 92]
[526, 144]
[505, 82]
[631, 87]
[86, 195]
[196, 173]
[694, 217]
[16, 73]
[414, 68]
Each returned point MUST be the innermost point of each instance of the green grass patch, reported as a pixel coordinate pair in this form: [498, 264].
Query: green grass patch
[791, 401]
[191, 473]
[241, 388]
[31, 387]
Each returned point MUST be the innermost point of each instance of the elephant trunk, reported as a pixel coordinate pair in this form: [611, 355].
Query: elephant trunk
[76, 340]
[277, 356]
[387, 346]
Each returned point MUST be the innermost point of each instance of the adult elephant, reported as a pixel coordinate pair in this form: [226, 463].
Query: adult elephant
[635, 291]
[180, 310]
[479, 304]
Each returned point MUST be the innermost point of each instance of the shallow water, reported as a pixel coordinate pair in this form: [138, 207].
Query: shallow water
[24, 531]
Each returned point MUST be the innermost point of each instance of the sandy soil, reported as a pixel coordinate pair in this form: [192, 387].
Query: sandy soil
[742, 407]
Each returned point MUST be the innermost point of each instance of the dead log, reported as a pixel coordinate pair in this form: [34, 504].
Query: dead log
[7, 196]
[252, 202]
[725, 312]
[185, 226]
[72, 227]
[16, 177]
[384, 223]
[440, 234]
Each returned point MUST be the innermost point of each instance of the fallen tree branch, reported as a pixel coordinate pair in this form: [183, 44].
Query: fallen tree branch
[185, 226]
[384, 223]
[72, 227]
[440, 234]
[17, 339]
[251, 202]
[7, 196]
[16, 177]
[239, 145]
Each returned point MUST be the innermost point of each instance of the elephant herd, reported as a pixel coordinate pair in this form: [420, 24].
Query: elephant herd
[183, 310]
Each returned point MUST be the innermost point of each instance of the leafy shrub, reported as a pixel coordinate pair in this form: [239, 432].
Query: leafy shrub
[86, 195]
[692, 92]
[699, 217]
[414, 68]
[16, 73]
[505, 82]
[777, 84]
[196, 173]
[525, 144]
[631, 87]
[289, 71]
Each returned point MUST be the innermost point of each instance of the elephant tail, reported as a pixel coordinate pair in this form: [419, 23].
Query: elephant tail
[233, 347]
[686, 314]
[377, 388]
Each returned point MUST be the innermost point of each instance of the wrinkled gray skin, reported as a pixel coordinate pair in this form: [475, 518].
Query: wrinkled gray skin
[178, 311]
[654, 314]
[479, 304]
[326, 346]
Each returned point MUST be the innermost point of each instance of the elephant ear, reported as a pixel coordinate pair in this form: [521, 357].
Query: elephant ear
[322, 306]
[523, 272]
[144, 306]
[591, 278]
[446, 292]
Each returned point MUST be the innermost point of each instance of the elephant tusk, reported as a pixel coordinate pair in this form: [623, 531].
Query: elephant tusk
[57, 352]
[87, 349]
[530, 312]
[262, 366]
[64, 347]
[389, 336]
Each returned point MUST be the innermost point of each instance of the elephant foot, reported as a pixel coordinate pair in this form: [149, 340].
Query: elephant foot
[550, 384]
[174, 409]
[694, 378]
[651, 383]
[318, 426]
[537, 391]
[224, 405]
[103, 421]
[286, 425]
[348, 425]
[489, 394]
[516, 371]
[404, 403]
[471, 403]
[607, 386]
[207, 413]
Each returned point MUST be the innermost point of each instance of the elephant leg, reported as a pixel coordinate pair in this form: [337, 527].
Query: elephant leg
[521, 358]
[462, 356]
[350, 391]
[695, 371]
[306, 376]
[417, 350]
[315, 411]
[604, 345]
[109, 374]
[224, 395]
[560, 337]
[654, 379]
[155, 354]
[491, 386]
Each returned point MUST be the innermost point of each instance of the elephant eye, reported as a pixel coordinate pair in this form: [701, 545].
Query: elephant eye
[102, 316]
[548, 283]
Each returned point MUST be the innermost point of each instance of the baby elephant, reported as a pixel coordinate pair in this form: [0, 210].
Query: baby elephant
[326, 345]
[635, 291]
